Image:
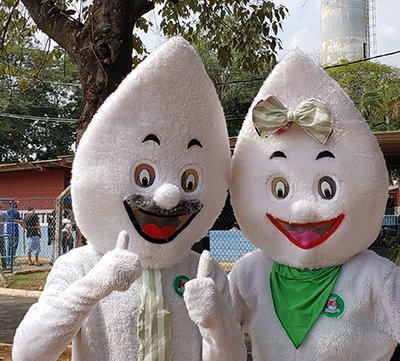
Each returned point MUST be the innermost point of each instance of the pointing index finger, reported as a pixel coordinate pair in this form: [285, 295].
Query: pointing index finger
[205, 265]
[122, 240]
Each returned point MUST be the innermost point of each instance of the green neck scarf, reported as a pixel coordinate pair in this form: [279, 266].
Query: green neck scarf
[300, 296]
[154, 330]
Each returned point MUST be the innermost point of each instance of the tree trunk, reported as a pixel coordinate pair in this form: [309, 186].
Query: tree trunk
[104, 60]
[102, 47]
[105, 57]
[387, 121]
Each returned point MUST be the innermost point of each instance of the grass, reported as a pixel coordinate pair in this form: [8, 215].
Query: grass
[35, 281]
[28, 281]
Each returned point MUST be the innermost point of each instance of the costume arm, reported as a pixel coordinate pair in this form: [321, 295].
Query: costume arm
[210, 306]
[240, 307]
[55, 319]
[388, 290]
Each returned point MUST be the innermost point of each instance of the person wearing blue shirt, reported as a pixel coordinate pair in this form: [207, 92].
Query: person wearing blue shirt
[13, 228]
[3, 253]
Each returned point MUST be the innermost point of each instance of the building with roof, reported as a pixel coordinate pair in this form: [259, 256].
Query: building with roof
[36, 183]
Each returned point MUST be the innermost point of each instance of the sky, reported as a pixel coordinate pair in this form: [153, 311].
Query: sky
[302, 28]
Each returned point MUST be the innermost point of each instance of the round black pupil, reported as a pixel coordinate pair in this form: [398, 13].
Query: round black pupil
[280, 192]
[145, 181]
[327, 193]
[190, 185]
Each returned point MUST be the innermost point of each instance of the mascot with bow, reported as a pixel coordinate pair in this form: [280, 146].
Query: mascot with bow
[309, 188]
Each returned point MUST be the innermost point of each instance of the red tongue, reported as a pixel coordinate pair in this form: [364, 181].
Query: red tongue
[154, 231]
[305, 238]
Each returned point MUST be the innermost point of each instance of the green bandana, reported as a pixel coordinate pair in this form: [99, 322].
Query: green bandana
[154, 319]
[300, 296]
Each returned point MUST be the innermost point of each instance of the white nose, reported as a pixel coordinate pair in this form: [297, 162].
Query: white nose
[304, 211]
[167, 196]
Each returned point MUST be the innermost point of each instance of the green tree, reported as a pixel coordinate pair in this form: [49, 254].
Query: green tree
[382, 106]
[365, 83]
[236, 87]
[25, 98]
[100, 35]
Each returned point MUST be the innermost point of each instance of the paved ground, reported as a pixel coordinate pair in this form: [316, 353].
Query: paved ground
[12, 311]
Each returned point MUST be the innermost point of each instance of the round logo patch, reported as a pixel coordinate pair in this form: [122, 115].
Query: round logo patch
[179, 285]
[334, 307]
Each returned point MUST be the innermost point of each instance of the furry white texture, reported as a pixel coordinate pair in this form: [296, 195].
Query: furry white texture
[169, 95]
[358, 168]
[74, 306]
[167, 196]
[208, 309]
[368, 329]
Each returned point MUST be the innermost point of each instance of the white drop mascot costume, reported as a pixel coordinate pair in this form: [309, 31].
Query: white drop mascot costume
[309, 188]
[149, 179]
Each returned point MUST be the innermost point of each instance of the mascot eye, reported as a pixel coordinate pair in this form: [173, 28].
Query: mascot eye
[327, 188]
[189, 180]
[144, 175]
[280, 188]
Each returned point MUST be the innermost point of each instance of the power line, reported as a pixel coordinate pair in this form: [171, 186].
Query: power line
[250, 80]
[37, 118]
[72, 120]
[236, 117]
[361, 60]
[38, 80]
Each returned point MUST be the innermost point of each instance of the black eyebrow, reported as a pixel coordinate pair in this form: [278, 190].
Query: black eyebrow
[194, 142]
[325, 154]
[152, 137]
[278, 153]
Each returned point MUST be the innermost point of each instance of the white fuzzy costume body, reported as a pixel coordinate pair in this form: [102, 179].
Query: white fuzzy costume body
[368, 330]
[310, 205]
[103, 328]
[149, 179]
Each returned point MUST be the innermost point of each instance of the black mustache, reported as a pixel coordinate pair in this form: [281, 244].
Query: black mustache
[147, 204]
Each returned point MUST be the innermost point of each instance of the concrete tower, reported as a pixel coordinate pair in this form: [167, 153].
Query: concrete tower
[345, 30]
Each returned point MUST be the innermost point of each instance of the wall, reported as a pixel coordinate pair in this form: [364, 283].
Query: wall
[33, 188]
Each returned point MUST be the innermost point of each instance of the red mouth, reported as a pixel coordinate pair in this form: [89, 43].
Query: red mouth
[154, 231]
[307, 235]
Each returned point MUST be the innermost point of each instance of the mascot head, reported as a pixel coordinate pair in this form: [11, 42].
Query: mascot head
[154, 161]
[308, 179]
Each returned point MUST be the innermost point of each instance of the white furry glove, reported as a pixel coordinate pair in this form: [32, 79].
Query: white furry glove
[201, 296]
[211, 310]
[50, 324]
[117, 269]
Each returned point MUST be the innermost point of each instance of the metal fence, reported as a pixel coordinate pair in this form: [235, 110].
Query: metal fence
[225, 241]
[19, 247]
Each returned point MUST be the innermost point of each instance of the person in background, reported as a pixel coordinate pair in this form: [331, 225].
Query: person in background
[33, 235]
[67, 235]
[3, 221]
[51, 233]
[13, 227]
[398, 230]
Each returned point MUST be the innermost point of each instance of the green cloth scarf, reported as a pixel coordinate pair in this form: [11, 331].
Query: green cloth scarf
[154, 330]
[300, 296]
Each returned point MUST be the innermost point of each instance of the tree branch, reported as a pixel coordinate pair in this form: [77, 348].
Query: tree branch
[6, 25]
[141, 7]
[56, 24]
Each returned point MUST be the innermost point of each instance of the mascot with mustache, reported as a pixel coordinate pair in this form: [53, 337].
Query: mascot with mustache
[149, 179]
